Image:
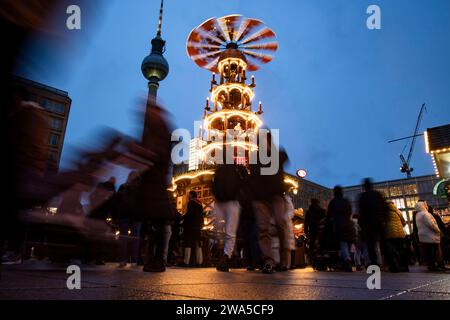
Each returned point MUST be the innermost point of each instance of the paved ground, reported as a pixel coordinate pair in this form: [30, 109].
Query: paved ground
[45, 281]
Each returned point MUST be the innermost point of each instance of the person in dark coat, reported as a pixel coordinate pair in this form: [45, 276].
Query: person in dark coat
[101, 199]
[445, 234]
[175, 243]
[192, 226]
[153, 204]
[313, 216]
[372, 214]
[226, 187]
[268, 202]
[129, 228]
[248, 229]
[340, 212]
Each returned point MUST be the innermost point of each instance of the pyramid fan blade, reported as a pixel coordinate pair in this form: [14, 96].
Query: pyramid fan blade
[209, 36]
[212, 65]
[208, 25]
[264, 58]
[206, 55]
[206, 42]
[252, 66]
[230, 25]
[194, 48]
[206, 61]
[222, 26]
[247, 26]
[262, 34]
[199, 45]
[194, 36]
[270, 46]
[208, 29]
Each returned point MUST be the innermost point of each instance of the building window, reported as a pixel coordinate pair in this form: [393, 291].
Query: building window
[54, 106]
[56, 124]
[384, 192]
[410, 189]
[399, 202]
[59, 108]
[411, 202]
[54, 138]
[53, 155]
[396, 191]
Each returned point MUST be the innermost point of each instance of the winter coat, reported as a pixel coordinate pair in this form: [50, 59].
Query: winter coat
[125, 204]
[340, 211]
[266, 187]
[444, 231]
[372, 214]
[226, 183]
[313, 216]
[427, 227]
[394, 223]
[193, 221]
[102, 201]
[153, 198]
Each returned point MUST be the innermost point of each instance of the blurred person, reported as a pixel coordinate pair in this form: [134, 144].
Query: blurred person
[445, 233]
[28, 131]
[17, 22]
[248, 228]
[129, 228]
[226, 187]
[153, 203]
[372, 214]
[175, 247]
[289, 215]
[313, 216]
[429, 235]
[268, 203]
[101, 206]
[360, 248]
[192, 226]
[340, 212]
[71, 202]
[396, 254]
[100, 200]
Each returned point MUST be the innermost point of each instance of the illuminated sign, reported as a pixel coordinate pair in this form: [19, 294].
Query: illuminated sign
[302, 173]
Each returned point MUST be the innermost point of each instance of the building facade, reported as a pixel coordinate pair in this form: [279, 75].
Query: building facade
[57, 105]
[308, 190]
[405, 193]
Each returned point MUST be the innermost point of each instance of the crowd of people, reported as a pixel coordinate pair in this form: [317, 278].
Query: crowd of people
[248, 210]
[375, 234]
[247, 204]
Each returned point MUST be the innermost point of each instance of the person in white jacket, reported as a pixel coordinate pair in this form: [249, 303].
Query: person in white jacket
[429, 234]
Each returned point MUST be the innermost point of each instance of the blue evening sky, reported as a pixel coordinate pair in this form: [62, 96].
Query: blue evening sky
[337, 90]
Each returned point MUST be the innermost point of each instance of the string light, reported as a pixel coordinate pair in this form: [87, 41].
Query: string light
[244, 89]
[225, 114]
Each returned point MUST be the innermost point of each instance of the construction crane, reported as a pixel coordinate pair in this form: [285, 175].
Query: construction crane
[406, 168]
